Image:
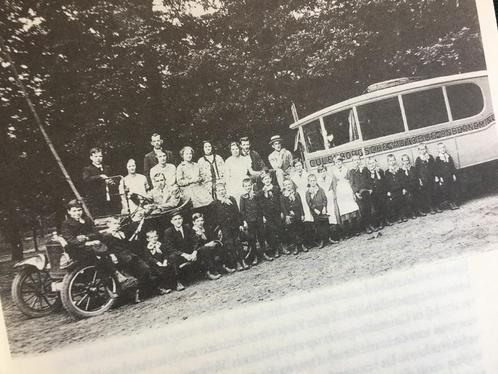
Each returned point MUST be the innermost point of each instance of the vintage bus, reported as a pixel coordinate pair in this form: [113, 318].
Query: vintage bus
[394, 116]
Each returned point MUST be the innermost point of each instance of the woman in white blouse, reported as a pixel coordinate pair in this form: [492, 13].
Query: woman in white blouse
[133, 183]
[237, 168]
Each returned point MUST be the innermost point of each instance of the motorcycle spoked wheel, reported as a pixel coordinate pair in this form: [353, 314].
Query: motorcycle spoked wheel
[86, 291]
[32, 293]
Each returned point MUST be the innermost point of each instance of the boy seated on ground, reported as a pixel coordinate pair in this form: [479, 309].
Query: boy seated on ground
[184, 247]
[210, 249]
[162, 264]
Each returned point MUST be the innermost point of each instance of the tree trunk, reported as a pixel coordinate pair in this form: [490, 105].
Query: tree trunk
[13, 234]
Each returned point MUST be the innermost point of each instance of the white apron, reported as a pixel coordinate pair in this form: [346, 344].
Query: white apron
[345, 196]
[301, 182]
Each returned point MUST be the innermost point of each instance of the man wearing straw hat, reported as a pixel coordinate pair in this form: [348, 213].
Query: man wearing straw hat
[280, 159]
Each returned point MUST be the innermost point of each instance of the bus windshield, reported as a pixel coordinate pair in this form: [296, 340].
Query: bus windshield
[340, 128]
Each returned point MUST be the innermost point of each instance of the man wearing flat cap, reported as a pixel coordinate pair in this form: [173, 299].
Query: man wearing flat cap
[280, 159]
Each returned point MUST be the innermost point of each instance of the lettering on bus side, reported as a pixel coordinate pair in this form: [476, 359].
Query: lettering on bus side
[414, 140]
[399, 143]
[330, 158]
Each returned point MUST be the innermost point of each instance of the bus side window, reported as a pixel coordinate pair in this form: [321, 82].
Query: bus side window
[313, 136]
[340, 128]
[380, 118]
[425, 108]
[465, 100]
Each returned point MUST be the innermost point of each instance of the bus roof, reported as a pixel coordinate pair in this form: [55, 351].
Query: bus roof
[386, 92]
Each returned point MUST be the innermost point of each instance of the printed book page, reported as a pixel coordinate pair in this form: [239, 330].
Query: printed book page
[397, 281]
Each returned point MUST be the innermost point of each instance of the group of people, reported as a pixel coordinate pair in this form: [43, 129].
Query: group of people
[281, 209]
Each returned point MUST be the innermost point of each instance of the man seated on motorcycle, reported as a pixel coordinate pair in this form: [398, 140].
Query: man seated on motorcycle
[80, 234]
[83, 239]
[129, 260]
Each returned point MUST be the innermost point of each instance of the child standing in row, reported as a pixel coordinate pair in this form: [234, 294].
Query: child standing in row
[317, 202]
[425, 167]
[410, 183]
[252, 216]
[270, 207]
[445, 172]
[292, 209]
[396, 193]
[225, 216]
[379, 197]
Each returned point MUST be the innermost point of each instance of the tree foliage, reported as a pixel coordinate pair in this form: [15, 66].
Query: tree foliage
[111, 72]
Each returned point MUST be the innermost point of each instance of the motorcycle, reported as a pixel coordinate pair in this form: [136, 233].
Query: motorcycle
[85, 289]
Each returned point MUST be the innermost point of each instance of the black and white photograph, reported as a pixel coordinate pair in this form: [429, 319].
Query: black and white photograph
[164, 160]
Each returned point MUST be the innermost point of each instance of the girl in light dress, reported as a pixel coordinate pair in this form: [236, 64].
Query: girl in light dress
[133, 183]
[300, 178]
[327, 180]
[348, 208]
[188, 178]
[237, 169]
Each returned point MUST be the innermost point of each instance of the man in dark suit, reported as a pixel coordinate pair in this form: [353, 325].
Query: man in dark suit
[83, 239]
[129, 260]
[77, 231]
[181, 244]
[100, 190]
[225, 216]
[150, 159]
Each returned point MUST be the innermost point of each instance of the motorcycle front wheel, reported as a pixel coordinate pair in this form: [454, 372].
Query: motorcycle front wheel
[32, 293]
[88, 291]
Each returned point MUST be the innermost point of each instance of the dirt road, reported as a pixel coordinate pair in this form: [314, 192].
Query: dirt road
[472, 228]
